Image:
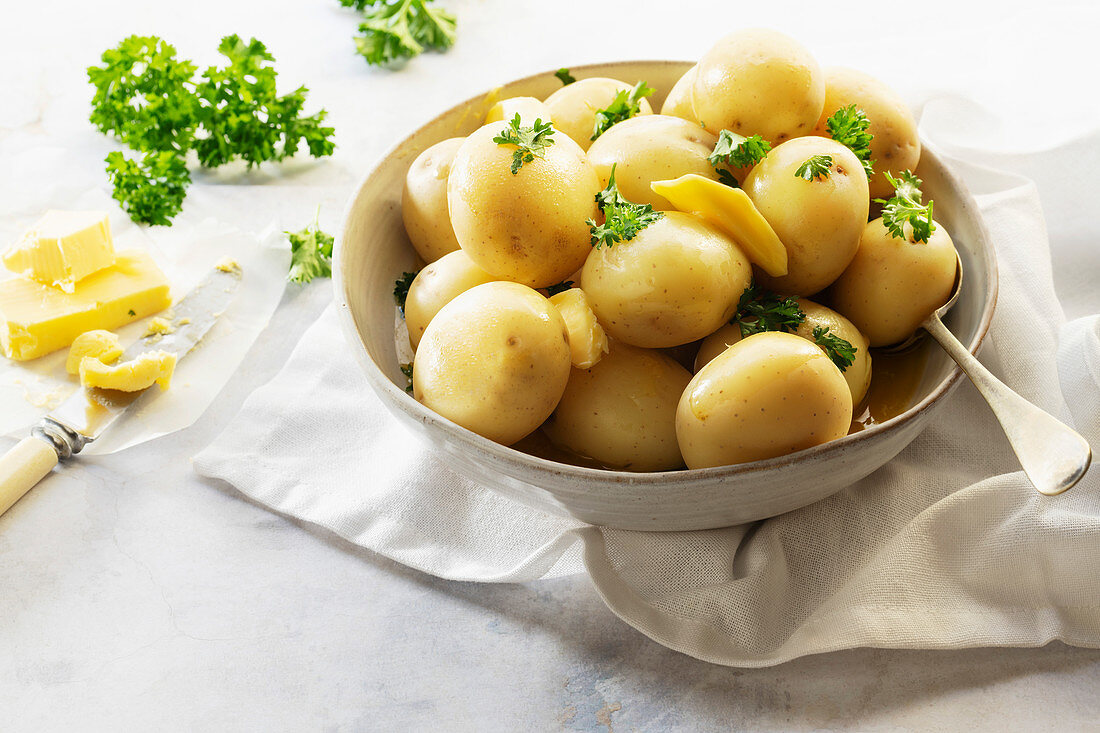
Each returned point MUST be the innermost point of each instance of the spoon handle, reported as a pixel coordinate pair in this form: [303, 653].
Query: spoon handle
[1052, 455]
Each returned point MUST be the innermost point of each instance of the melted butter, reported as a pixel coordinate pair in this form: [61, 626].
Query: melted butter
[894, 382]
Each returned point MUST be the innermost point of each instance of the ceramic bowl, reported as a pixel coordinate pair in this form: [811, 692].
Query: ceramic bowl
[373, 250]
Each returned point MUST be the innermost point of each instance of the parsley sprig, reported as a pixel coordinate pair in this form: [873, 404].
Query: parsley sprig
[564, 76]
[905, 207]
[848, 126]
[310, 252]
[149, 99]
[530, 141]
[626, 104]
[840, 351]
[738, 151]
[393, 30]
[759, 310]
[815, 167]
[622, 219]
[150, 189]
[407, 370]
[401, 289]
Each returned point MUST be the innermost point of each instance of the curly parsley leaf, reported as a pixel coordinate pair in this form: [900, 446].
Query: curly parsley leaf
[564, 76]
[905, 207]
[144, 95]
[626, 104]
[393, 30]
[559, 288]
[150, 189]
[531, 142]
[401, 289]
[848, 126]
[310, 253]
[407, 370]
[839, 350]
[738, 151]
[727, 178]
[242, 116]
[814, 167]
[760, 310]
[622, 219]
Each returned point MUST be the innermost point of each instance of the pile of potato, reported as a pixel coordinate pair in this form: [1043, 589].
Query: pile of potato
[591, 365]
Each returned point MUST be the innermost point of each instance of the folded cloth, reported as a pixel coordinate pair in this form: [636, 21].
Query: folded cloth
[946, 546]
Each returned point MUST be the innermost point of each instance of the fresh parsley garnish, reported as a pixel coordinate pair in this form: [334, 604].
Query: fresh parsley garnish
[814, 167]
[848, 126]
[531, 142]
[738, 151]
[622, 219]
[905, 207]
[401, 289]
[760, 310]
[559, 288]
[839, 350]
[131, 312]
[399, 29]
[407, 370]
[310, 253]
[564, 77]
[150, 189]
[724, 176]
[625, 105]
[153, 102]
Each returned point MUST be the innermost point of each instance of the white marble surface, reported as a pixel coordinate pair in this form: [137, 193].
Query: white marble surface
[137, 596]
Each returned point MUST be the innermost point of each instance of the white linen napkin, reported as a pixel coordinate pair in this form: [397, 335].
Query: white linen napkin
[946, 546]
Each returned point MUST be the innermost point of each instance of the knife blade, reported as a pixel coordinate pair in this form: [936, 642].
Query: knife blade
[89, 412]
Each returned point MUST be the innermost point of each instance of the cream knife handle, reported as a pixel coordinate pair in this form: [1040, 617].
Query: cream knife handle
[22, 467]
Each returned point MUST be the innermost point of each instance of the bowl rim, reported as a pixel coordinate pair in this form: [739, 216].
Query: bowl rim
[508, 456]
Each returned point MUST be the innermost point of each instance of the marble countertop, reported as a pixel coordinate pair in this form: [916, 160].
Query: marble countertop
[139, 596]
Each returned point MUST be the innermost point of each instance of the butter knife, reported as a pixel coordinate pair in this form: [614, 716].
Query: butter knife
[88, 413]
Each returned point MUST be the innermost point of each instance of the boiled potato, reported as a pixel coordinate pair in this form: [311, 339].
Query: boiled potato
[895, 146]
[573, 108]
[587, 340]
[768, 395]
[495, 360]
[893, 284]
[857, 374]
[818, 221]
[437, 285]
[678, 102]
[424, 201]
[759, 82]
[529, 109]
[652, 148]
[622, 411]
[678, 280]
[528, 226]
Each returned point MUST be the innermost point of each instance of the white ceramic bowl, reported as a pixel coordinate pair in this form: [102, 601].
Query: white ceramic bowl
[373, 250]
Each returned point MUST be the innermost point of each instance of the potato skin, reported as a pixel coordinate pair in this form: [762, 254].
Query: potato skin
[573, 108]
[424, 201]
[622, 411]
[529, 109]
[678, 280]
[437, 285]
[678, 103]
[495, 360]
[893, 284]
[896, 145]
[857, 375]
[528, 227]
[767, 395]
[819, 221]
[652, 148]
[759, 82]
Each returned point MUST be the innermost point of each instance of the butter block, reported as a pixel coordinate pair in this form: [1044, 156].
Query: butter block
[98, 344]
[63, 248]
[152, 367]
[37, 319]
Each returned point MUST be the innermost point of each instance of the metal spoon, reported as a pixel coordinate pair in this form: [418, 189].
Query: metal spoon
[1053, 456]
